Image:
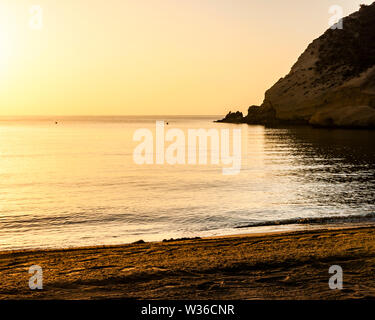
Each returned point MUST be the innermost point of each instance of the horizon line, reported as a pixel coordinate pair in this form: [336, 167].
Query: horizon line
[114, 115]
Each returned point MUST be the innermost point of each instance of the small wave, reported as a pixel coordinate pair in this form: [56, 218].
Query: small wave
[317, 220]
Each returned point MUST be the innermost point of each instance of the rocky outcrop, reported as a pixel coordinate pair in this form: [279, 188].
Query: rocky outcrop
[233, 117]
[332, 83]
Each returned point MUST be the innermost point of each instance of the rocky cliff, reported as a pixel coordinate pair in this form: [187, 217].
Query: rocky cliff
[331, 84]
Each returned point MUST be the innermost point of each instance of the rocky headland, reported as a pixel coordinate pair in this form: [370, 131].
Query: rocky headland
[331, 85]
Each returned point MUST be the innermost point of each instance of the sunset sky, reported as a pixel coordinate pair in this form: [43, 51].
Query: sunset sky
[135, 57]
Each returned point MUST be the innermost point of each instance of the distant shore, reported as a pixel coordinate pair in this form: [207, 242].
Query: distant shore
[287, 265]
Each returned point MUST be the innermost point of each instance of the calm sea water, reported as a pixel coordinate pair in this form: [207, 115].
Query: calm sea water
[75, 183]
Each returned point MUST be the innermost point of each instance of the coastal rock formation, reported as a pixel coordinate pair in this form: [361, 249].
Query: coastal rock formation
[332, 83]
[233, 117]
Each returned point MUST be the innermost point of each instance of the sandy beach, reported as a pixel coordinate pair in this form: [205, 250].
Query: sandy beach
[291, 265]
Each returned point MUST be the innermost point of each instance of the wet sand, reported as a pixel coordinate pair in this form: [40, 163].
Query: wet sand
[291, 265]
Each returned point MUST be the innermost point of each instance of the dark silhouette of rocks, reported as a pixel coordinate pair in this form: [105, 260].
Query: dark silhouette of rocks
[233, 117]
[332, 83]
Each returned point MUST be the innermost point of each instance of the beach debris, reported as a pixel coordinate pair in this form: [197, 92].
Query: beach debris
[139, 242]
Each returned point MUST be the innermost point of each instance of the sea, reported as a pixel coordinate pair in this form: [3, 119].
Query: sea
[73, 181]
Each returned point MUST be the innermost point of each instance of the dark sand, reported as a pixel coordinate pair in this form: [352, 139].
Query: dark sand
[290, 265]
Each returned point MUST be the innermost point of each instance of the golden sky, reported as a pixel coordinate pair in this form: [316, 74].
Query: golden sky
[133, 57]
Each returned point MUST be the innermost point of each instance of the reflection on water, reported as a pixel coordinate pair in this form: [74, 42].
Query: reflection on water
[337, 166]
[75, 183]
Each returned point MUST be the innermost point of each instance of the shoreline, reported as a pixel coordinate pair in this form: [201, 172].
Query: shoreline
[243, 231]
[286, 265]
